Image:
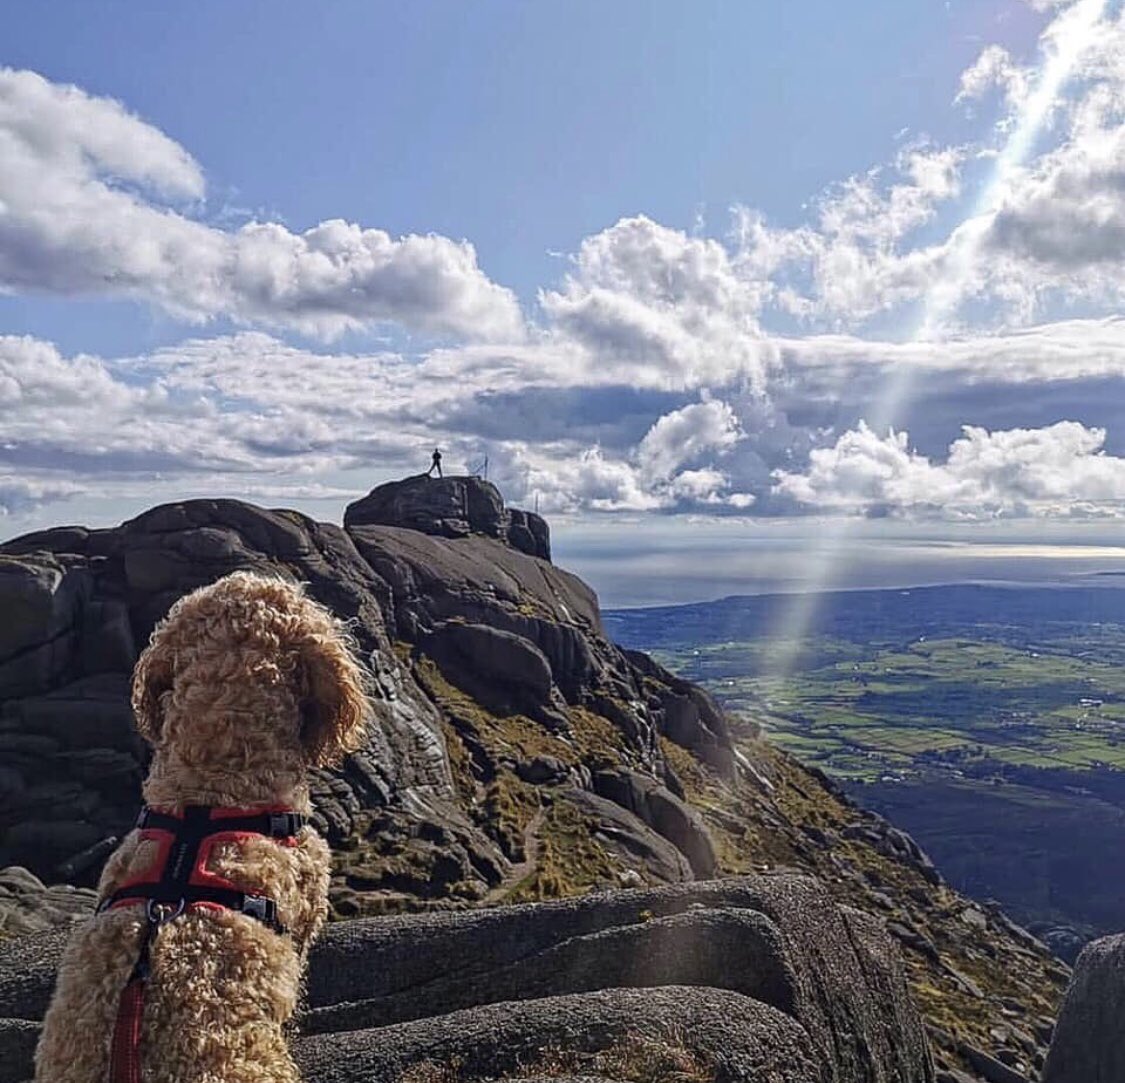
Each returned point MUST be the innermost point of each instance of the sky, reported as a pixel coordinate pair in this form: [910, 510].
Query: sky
[676, 270]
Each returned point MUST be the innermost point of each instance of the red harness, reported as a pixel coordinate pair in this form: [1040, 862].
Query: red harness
[177, 881]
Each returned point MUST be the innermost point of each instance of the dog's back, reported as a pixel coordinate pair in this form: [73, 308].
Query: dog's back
[244, 685]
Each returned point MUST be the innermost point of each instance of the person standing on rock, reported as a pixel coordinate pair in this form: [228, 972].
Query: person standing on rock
[435, 464]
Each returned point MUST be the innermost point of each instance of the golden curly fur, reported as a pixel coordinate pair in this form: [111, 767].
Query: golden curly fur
[243, 686]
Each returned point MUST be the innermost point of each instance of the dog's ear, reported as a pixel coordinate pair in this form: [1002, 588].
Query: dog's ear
[152, 679]
[334, 708]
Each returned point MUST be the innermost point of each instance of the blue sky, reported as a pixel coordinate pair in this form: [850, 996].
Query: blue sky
[523, 127]
[734, 261]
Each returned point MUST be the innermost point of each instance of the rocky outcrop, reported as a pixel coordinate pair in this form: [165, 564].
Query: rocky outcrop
[453, 507]
[73, 761]
[737, 1039]
[486, 628]
[1089, 1040]
[758, 978]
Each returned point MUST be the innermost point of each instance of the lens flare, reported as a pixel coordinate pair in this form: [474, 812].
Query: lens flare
[1069, 37]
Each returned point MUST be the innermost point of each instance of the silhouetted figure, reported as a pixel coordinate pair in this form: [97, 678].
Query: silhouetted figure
[435, 464]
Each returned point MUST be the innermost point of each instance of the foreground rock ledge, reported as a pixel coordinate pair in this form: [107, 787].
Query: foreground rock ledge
[763, 978]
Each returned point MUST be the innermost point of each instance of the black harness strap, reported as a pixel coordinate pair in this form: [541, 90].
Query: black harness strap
[174, 888]
[241, 902]
[278, 825]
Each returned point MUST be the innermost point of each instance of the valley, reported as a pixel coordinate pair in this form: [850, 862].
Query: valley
[988, 721]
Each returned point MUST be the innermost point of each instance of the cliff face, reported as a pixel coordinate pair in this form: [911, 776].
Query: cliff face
[519, 755]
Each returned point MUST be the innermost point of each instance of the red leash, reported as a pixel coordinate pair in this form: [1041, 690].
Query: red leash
[125, 1052]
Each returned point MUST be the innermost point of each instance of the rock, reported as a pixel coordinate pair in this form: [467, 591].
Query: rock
[725, 949]
[27, 972]
[543, 770]
[974, 918]
[912, 938]
[1064, 940]
[893, 843]
[88, 714]
[106, 644]
[991, 1069]
[965, 983]
[40, 597]
[630, 839]
[1088, 1045]
[743, 1039]
[835, 969]
[452, 507]
[27, 905]
[506, 672]
[477, 581]
[529, 533]
[691, 717]
[774, 956]
[665, 813]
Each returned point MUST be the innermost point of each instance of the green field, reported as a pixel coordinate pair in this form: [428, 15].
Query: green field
[988, 722]
[865, 713]
[893, 682]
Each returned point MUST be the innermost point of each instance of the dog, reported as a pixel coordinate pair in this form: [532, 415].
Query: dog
[194, 962]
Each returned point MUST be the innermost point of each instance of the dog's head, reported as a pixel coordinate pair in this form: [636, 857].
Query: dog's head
[248, 634]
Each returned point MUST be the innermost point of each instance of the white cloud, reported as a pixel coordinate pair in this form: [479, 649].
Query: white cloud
[80, 180]
[20, 495]
[671, 469]
[649, 383]
[1057, 470]
[682, 436]
[1067, 350]
[1056, 232]
[653, 305]
[856, 260]
[994, 68]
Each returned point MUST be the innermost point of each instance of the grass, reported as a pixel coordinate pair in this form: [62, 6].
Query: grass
[636, 1058]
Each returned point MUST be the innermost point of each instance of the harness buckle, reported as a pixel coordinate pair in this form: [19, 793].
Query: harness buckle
[284, 825]
[160, 913]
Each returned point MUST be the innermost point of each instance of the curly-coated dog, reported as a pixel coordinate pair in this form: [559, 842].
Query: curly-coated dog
[194, 961]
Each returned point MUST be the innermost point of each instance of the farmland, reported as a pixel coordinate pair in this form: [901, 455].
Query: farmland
[988, 721]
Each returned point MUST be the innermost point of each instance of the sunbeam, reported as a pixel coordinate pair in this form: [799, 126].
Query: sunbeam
[1070, 36]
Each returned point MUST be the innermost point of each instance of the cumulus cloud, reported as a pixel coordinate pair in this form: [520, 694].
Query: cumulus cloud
[1057, 470]
[563, 479]
[1058, 228]
[650, 380]
[249, 413]
[649, 302]
[857, 258]
[84, 191]
[683, 436]
[1036, 203]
